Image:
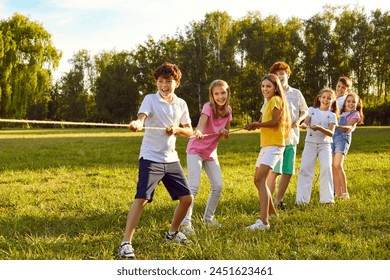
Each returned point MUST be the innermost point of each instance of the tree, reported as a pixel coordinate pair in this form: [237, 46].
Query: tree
[117, 95]
[27, 58]
[75, 86]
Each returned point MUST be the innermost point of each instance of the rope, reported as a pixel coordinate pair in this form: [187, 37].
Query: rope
[74, 123]
[96, 124]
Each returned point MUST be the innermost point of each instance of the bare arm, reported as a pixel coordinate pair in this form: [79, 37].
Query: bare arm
[225, 132]
[306, 123]
[185, 131]
[350, 125]
[327, 131]
[302, 116]
[138, 124]
[201, 125]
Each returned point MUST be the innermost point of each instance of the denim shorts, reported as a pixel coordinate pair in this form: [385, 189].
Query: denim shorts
[341, 143]
[150, 173]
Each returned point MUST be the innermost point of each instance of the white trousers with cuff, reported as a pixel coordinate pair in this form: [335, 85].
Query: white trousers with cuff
[307, 169]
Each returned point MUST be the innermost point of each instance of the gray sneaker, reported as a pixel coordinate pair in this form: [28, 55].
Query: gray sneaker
[126, 251]
[178, 237]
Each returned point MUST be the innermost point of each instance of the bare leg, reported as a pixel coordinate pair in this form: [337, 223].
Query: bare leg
[266, 205]
[271, 182]
[133, 218]
[283, 184]
[339, 179]
[180, 212]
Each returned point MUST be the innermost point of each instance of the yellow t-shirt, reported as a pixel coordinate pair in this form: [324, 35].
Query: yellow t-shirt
[271, 136]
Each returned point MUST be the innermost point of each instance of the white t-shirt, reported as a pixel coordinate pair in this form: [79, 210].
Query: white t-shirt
[296, 103]
[340, 101]
[320, 118]
[157, 145]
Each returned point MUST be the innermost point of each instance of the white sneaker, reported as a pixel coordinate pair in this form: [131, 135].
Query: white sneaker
[258, 225]
[177, 236]
[213, 223]
[126, 251]
[187, 229]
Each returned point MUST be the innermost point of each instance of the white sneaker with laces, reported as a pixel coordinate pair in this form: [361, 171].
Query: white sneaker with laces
[258, 225]
[126, 251]
[177, 236]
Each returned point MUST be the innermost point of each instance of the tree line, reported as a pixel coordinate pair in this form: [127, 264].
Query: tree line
[108, 87]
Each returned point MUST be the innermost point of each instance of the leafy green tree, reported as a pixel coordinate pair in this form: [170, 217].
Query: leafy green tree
[117, 95]
[27, 58]
[75, 86]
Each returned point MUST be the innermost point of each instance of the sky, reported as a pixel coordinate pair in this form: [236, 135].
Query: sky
[105, 25]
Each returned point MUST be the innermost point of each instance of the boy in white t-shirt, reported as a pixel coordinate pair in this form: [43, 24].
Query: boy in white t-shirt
[158, 159]
[343, 87]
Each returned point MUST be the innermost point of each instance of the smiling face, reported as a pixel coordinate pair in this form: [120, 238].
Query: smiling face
[283, 77]
[268, 89]
[220, 95]
[326, 100]
[341, 89]
[166, 87]
[351, 103]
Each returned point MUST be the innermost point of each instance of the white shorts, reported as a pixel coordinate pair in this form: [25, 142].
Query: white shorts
[270, 155]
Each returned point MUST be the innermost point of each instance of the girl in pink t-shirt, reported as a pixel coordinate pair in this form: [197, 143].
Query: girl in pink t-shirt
[214, 123]
[351, 115]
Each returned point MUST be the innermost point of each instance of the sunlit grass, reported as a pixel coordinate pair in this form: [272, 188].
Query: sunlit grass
[65, 194]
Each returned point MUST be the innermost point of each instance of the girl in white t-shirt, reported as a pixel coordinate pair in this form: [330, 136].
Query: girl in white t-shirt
[320, 123]
[214, 123]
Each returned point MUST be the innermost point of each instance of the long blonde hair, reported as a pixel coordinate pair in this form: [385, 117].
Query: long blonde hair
[285, 119]
[224, 112]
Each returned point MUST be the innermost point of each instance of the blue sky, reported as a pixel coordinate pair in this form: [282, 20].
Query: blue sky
[104, 25]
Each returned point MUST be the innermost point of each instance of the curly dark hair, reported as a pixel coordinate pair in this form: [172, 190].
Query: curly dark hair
[168, 70]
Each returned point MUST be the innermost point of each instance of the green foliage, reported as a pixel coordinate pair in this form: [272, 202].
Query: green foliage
[27, 57]
[338, 41]
[377, 115]
[65, 194]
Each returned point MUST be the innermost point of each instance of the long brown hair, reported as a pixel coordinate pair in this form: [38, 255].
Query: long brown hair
[224, 112]
[359, 106]
[333, 107]
[285, 120]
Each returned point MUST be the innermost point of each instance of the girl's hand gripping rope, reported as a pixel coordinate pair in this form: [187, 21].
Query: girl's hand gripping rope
[198, 134]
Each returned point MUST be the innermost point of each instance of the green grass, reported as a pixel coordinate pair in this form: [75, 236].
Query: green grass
[65, 194]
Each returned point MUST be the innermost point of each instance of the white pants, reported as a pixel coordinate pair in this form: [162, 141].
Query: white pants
[306, 173]
[213, 171]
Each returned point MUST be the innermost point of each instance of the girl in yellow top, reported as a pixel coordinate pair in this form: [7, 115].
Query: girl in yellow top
[275, 129]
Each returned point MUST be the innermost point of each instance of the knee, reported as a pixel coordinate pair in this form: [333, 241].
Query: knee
[337, 166]
[186, 200]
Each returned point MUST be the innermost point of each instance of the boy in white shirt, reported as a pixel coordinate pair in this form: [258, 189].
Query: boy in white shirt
[158, 159]
[343, 87]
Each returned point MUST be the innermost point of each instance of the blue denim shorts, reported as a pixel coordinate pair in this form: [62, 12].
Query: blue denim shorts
[150, 173]
[341, 143]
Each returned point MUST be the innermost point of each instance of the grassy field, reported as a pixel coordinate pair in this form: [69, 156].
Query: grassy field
[65, 194]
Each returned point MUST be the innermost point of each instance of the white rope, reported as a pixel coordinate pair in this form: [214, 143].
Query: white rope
[74, 123]
[215, 133]
[63, 123]
[97, 124]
